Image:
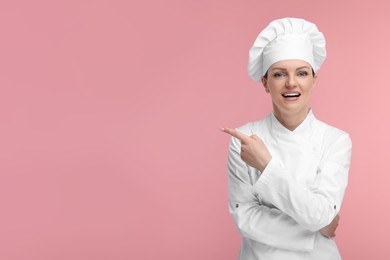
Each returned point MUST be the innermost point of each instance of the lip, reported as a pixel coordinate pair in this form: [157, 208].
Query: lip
[291, 95]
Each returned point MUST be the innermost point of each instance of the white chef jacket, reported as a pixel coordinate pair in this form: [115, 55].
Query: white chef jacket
[280, 211]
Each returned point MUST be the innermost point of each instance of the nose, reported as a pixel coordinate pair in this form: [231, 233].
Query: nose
[291, 82]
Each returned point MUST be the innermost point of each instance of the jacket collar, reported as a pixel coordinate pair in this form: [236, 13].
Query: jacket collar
[303, 130]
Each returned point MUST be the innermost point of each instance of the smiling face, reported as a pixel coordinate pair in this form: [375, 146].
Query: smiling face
[290, 83]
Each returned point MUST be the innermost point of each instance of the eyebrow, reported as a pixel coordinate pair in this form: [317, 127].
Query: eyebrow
[303, 67]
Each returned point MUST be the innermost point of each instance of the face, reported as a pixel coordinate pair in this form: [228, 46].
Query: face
[290, 82]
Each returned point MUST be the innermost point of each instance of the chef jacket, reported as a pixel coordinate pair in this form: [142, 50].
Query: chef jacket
[280, 211]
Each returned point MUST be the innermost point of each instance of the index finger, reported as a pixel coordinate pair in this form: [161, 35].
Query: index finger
[235, 133]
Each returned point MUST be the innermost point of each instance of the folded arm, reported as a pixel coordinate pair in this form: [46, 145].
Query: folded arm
[314, 207]
[258, 222]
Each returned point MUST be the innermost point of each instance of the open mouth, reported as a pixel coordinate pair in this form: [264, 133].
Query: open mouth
[291, 95]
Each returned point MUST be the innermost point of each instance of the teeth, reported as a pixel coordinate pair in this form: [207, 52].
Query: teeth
[291, 95]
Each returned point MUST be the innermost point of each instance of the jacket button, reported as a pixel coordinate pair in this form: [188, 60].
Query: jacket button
[236, 205]
[334, 207]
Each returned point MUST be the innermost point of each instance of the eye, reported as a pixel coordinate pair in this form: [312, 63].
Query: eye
[278, 74]
[303, 73]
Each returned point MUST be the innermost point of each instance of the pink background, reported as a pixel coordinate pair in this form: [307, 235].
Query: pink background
[110, 110]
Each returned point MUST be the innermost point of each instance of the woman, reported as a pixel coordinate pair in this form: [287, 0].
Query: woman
[288, 172]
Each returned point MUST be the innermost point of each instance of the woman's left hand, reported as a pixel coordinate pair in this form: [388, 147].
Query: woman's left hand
[253, 150]
[330, 230]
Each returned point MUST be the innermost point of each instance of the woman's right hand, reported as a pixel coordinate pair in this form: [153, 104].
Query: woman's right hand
[330, 230]
[253, 150]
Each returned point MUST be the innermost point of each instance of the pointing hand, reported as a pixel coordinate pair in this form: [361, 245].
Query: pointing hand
[253, 150]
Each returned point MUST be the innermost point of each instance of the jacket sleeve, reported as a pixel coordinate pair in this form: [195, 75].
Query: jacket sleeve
[258, 222]
[314, 207]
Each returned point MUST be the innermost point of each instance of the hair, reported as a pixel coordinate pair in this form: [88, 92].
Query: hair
[266, 74]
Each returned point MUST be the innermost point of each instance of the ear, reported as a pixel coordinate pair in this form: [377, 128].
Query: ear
[264, 81]
[314, 80]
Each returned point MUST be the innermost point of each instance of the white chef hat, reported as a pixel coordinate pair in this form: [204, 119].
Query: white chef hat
[286, 39]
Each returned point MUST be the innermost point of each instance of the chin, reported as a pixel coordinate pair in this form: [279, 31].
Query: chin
[292, 108]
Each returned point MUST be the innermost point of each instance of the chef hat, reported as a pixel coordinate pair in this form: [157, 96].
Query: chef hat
[286, 39]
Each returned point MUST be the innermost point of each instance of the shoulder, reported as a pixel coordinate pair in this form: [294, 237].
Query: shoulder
[336, 146]
[333, 135]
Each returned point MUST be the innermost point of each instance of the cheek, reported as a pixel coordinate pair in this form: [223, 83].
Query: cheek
[276, 92]
[310, 89]
[275, 96]
[308, 86]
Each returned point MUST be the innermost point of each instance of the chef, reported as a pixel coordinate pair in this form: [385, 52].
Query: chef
[288, 171]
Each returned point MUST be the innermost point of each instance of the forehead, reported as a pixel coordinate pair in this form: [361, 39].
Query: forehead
[290, 65]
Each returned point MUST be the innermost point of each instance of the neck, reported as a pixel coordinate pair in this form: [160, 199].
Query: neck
[291, 120]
